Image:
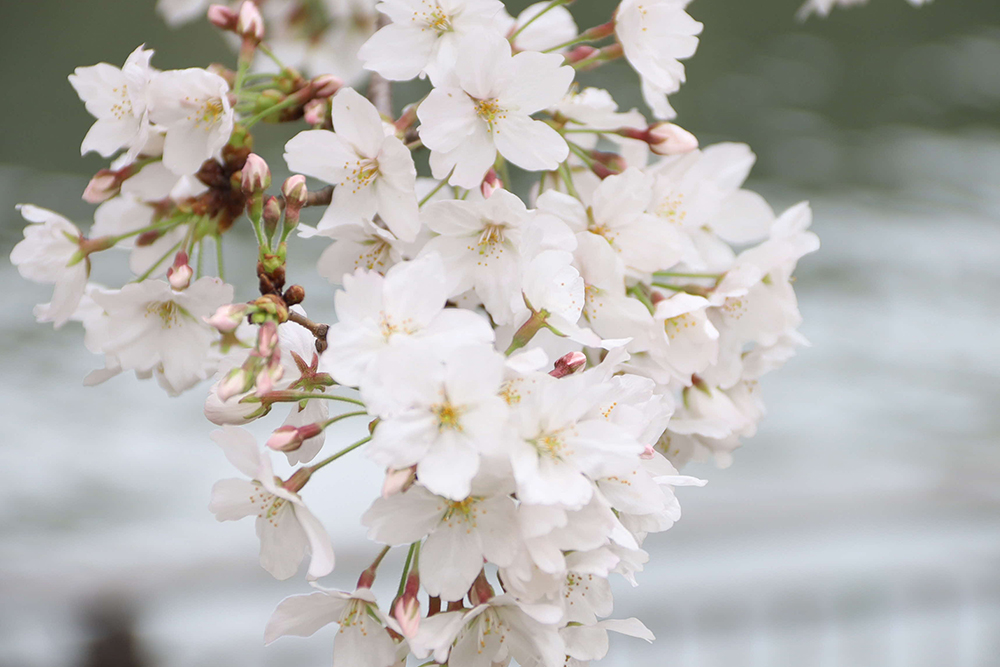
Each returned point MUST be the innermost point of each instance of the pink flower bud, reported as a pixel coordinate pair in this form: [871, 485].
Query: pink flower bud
[179, 275]
[491, 183]
[267, 339]
[227, 318]
[236, 382]
[222, 17]
[669, 139]
[397, 481]
[102, 187]
[295, 192]
[326, 85]
[648, 454]
[568, 364]
[314, 112]
[249, 22]
[272, 211]
[407, 613]
[256, 175]
[290, 438]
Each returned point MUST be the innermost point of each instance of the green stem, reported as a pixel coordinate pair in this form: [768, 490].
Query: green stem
[641, 294]
[343, 451]
[552, 5]
[582, 154]
[152, 268]
[676, 288]
[161, 225]
[437, 188]
[406, 568]
[670, 274]
[567, 178]
[288, 396]
[289, 101]
[218, 256]
[201, 257]
[270, 54]
[343, 416]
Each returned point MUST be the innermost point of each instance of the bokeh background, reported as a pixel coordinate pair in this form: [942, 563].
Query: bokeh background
[861, 526]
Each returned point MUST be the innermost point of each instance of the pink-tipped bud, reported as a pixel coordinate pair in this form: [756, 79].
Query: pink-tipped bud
[295, 192]
[103, 186]
[250, 23]
[272, 211]
[236, 382]
[266, 379]
[648, 454]
[256, 174]
[580, 53]
[179, 275]
[227, 318]
[222, 17]
[568, 364]
[669, 139]
[398, 481]
[326, 85]
[267, 339]
[290, 438]
[314, 112]
[491, 183]
[407, 614]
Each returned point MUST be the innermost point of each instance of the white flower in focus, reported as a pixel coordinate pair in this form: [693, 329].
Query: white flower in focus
[440, 410]
[363, 245]
[491, 633]
[560, 449]
[193, 105]
[375, 312]
[373, 173]
[616, 211]
[656, 35]
[149, 327]
[423, 34]
[362, 639]
[285, 526]
[460, 533]
[117, 98]
[485, 106]
[688, 344]
[46, 255]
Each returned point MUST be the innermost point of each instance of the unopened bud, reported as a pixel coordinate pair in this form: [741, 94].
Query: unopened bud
[102, 187]
[580, 53]
[407, 614]
[227, 318]
[256, 175]
[179, 275]
[295, 192]
[398, 481]
[326, 85]
[669, 139]
[491, 183]
[568, 364]
[236, 382]
[295, 294]
[314, 112]
[290, 438]
[267, 339]
[272, 212]
[267, 378]
[249, 22]
[222, 17]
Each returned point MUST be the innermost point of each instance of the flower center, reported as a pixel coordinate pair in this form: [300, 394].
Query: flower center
[208, 112]
[465, 510]
[123, 108]
[268, 505]
[360, 174]
[436, 19]
[168, 312]
[448, 416]
[550, 445]
[672, 208]
[387, 327]
[490, 110]
[676, 325]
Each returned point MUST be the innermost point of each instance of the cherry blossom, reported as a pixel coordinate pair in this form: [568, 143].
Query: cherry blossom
[193, 106]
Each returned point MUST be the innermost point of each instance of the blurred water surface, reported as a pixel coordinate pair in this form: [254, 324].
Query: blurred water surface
[861, 526]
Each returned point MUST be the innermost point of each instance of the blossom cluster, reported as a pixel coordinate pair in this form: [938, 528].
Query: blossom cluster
[534, 364]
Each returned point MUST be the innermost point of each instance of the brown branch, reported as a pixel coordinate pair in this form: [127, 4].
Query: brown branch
[317, 330]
